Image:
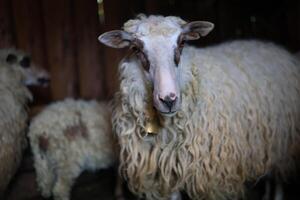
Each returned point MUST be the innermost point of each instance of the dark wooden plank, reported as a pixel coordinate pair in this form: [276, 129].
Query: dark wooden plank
[115, 16]
[29, 29]
[30, 37]
[6, 25]
[61, 45]
[152, 6]
[91, 69]
[293, 24]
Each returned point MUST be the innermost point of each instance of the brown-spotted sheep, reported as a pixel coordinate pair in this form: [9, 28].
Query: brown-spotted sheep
[16, 73]
[201, 120]
[67, 138]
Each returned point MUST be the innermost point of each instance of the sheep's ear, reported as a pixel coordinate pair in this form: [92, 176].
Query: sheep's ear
[195, 30]
[116, 39]
[11, 58]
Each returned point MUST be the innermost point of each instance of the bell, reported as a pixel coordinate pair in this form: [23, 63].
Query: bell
[152, 126]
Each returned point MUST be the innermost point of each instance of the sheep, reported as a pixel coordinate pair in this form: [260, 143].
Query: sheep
[16, 72]
[66, 138]
[201, 120]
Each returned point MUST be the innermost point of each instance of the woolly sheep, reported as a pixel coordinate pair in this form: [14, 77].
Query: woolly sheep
[16, 72]
[66, 138]
[201, 120]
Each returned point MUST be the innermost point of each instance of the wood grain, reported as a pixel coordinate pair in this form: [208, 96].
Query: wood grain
[91, 70]
[61, 47]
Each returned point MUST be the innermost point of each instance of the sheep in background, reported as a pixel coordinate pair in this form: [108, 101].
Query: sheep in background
[201, 120]
[66, 138]
[31, 74]
[16, 72]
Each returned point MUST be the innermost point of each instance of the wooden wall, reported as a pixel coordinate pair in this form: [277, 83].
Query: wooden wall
[61, 35]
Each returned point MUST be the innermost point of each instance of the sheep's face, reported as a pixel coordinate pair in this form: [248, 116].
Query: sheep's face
[158, 42]
[30, 74]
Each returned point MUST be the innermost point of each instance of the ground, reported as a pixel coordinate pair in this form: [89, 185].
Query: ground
[100, 185]
[89, 186]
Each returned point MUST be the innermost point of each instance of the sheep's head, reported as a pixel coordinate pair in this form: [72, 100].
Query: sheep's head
[158, 42]
[30, 74]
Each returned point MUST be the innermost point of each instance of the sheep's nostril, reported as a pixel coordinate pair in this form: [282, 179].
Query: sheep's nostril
[172, 96]
[169, 102]
[43, 81]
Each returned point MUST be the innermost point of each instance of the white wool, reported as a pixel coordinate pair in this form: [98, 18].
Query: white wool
[238, 120]
[13, 119]
[66, 138]
[154, 26]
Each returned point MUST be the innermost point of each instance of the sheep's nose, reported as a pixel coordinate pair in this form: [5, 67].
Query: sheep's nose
[169, 101]
[43, 81]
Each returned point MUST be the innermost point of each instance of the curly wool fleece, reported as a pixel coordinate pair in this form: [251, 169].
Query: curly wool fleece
[240, 108]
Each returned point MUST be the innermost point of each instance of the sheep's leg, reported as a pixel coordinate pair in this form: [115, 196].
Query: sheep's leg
[279, 194]
[45, 183]
[176, 196]
[44, 175]
[273, 187]
[119, 194]
[267, 194]
[64, 183]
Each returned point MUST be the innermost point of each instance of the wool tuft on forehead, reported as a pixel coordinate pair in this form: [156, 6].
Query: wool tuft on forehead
[153, 25]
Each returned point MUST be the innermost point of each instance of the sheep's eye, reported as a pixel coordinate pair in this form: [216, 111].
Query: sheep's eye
[177, 53]
[142, 57]
[137, 46]
[178, 49]
[181, 44]
[25, 62]
[11, 58]
[177, 57]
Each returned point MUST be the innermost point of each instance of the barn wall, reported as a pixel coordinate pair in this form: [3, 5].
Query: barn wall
[62, 35]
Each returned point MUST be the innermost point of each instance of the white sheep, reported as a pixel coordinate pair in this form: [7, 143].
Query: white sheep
[201, 120]
[16, 72]
[66, 138]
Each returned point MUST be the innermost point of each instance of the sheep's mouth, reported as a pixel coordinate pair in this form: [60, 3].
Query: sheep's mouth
[168, 114]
